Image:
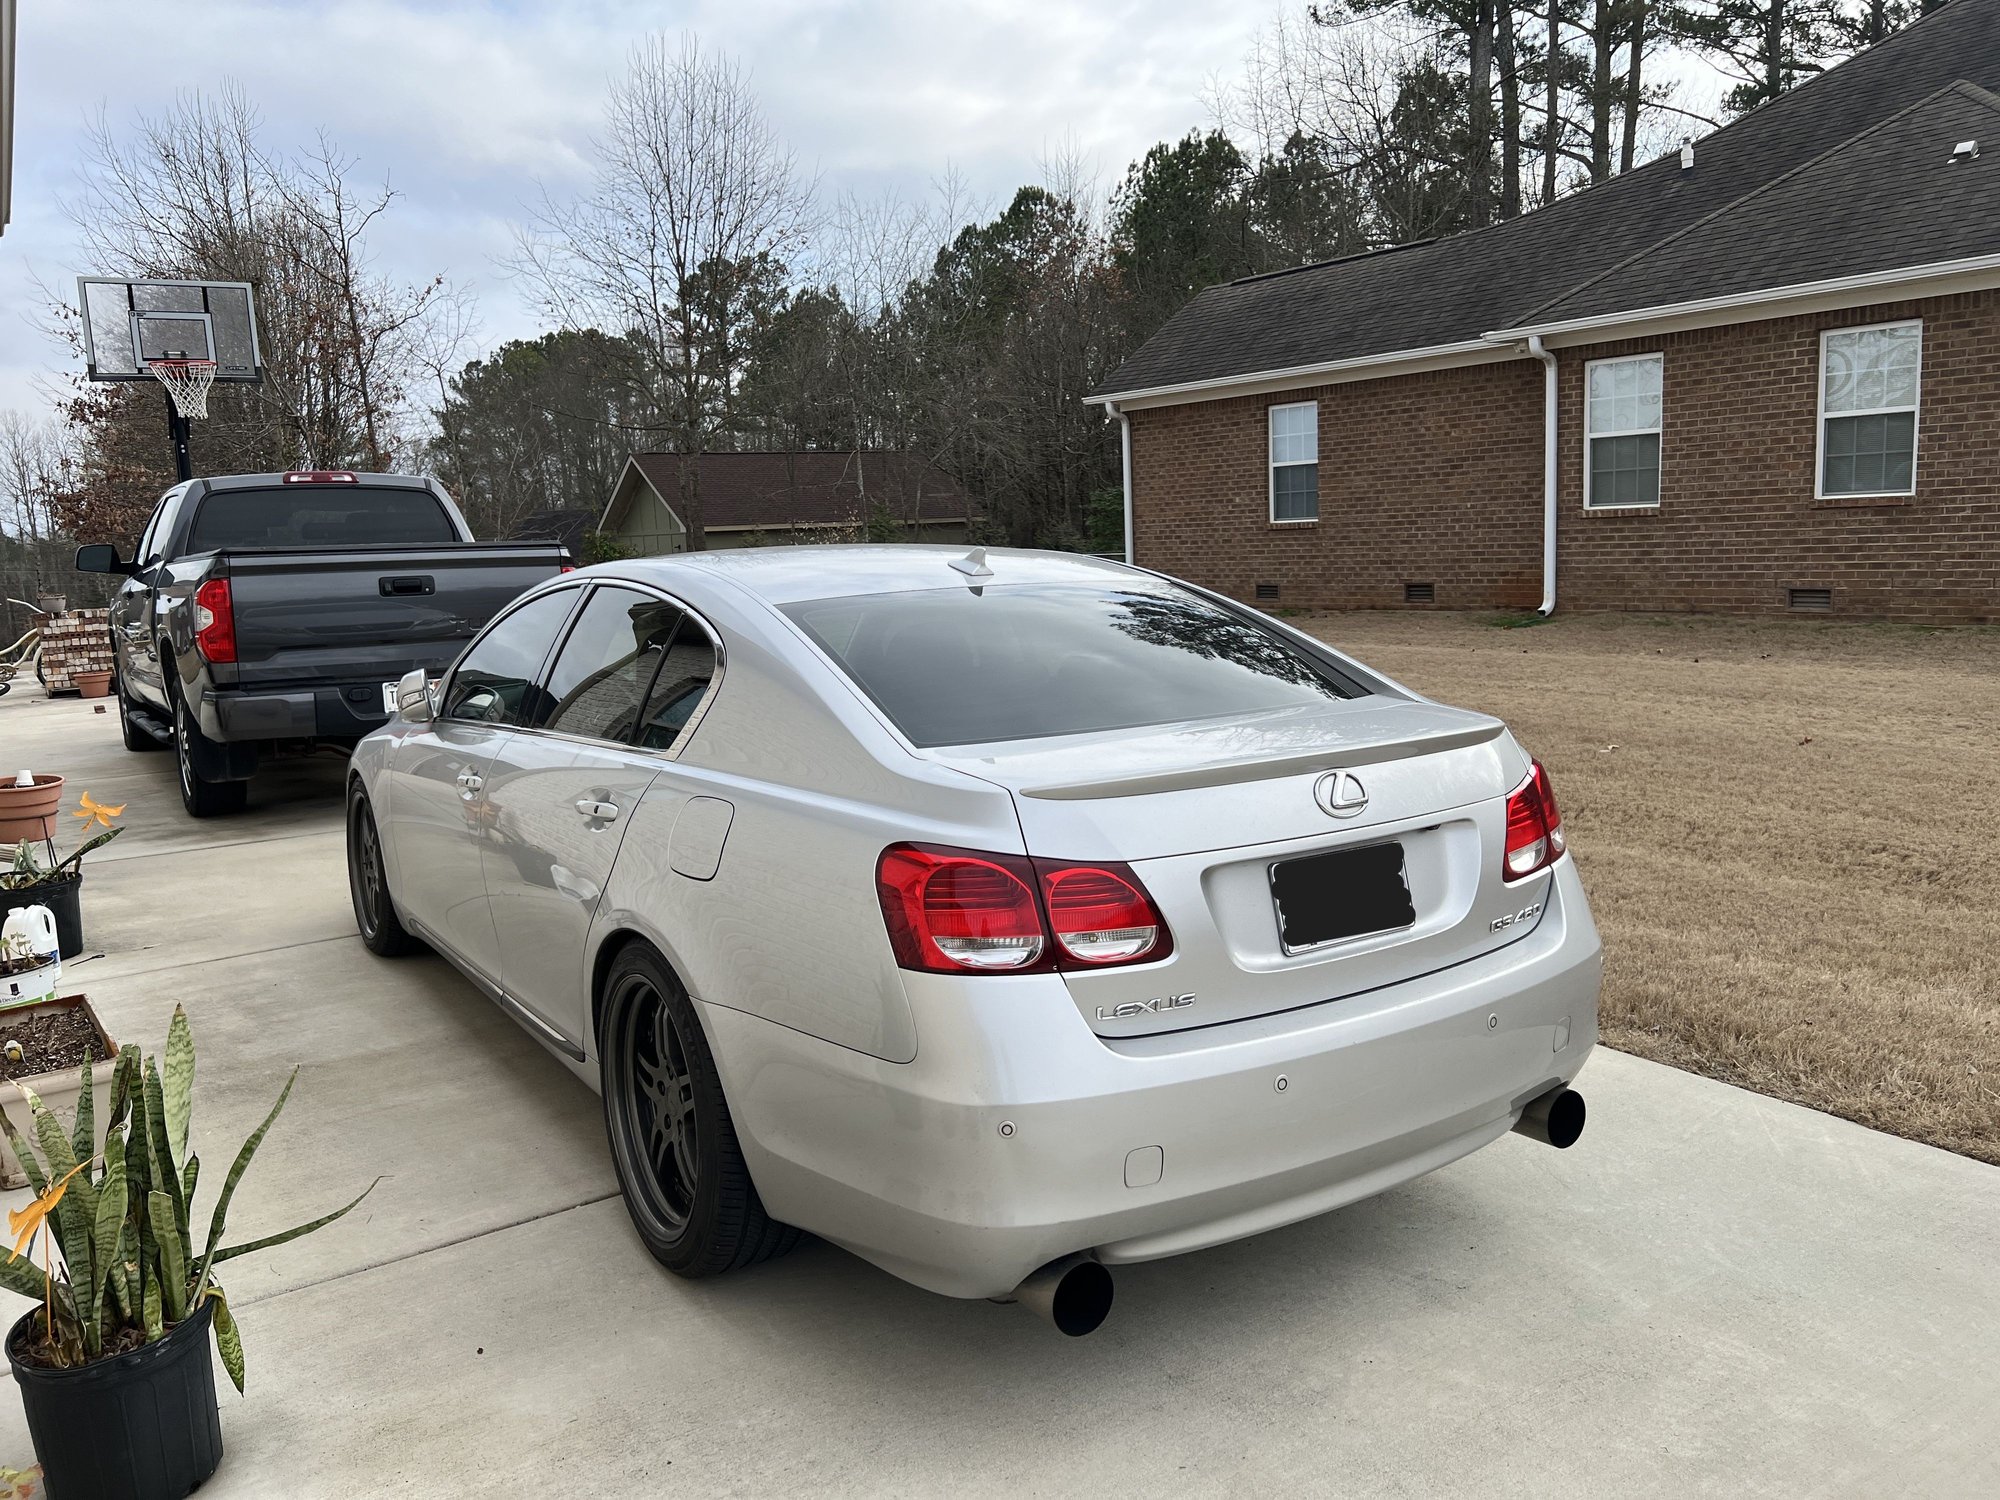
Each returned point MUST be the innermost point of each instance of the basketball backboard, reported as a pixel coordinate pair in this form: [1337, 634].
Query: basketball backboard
[127, 323]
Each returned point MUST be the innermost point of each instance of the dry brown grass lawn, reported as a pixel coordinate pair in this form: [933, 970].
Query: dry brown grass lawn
[1790, 832]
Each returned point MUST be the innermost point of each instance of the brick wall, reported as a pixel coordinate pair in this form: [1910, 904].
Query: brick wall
[1436, 478]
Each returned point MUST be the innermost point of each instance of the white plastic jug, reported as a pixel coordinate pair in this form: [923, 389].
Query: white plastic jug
[29, 932]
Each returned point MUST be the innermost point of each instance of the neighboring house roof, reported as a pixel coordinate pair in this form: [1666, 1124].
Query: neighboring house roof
[775, 491]
[1444, 295]
[564, 526]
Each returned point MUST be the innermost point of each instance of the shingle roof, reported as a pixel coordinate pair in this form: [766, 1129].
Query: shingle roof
[808, 488]
[1443, 292]
[1893, 195]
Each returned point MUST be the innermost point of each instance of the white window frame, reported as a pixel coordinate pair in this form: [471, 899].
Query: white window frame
[1916, 411]
[1271, 464]
[1658, 357]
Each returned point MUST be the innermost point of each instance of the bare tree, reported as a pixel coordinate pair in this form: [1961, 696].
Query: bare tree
[695, 199]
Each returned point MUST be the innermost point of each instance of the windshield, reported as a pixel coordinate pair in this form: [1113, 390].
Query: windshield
[314, 515]
[966, 667]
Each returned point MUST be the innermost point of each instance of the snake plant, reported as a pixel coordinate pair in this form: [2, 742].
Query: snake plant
[121, 1222]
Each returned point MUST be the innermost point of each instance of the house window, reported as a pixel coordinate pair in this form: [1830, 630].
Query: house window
[1868, 409]
[1622, 433]
[1295, 462]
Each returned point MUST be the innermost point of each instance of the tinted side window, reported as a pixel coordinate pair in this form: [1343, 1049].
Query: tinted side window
[684, 675]
[495, 684]
[601, 675]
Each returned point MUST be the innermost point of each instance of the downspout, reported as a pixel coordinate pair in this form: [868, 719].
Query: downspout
[1125, 460]
[1548, 604]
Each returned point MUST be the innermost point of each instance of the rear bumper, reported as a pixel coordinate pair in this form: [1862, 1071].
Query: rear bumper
[1017, 1135]
[343, 711]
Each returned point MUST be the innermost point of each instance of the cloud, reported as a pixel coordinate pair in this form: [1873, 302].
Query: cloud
[465, 108]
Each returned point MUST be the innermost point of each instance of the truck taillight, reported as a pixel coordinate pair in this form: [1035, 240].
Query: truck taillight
[321, 476]
[214, 621]
[1534, 826]
[963, 911]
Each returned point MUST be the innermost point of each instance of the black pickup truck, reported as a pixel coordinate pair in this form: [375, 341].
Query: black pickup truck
[272, 613]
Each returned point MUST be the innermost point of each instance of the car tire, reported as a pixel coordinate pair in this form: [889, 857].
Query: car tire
[136, 737]
[672, 1140]
[202, 799]
[382, 931]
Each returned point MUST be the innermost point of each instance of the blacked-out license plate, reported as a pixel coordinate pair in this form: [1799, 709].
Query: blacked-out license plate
[1345, 893]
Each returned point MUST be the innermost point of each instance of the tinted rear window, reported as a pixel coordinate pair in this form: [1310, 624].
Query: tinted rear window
[951, 667]
[318, 515]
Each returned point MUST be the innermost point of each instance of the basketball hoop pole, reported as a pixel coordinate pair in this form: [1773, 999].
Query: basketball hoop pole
[177, 429]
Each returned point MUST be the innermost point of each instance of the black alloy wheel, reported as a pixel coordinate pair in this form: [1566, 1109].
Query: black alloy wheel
[382, 932]
[672, 1140]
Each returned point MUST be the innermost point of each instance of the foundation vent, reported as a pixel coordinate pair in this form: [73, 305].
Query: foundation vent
[1267, 591]
[1420, 593]
[1820, 600]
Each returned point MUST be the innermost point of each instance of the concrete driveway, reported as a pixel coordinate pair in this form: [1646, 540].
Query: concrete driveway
[1713, 1293]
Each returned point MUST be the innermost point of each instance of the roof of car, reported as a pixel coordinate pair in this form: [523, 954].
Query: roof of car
[785, 575]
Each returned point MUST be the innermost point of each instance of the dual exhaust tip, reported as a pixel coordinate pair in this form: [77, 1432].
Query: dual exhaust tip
[1074, 1293]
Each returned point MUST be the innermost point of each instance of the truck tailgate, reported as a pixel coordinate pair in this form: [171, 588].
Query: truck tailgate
[322, 614]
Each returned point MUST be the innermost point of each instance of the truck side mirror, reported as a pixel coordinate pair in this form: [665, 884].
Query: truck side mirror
[413, 696]
[101, 557]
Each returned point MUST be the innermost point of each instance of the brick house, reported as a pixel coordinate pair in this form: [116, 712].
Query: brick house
[1760, 375]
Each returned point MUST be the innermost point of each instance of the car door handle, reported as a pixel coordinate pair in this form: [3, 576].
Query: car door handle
[469, 783]
[597, 812]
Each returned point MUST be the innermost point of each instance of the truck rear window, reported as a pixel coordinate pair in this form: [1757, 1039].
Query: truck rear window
[958, 667]
[318, 515]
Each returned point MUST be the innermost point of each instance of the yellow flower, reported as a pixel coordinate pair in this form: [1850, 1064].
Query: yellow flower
[93, 811]
[23, 1222]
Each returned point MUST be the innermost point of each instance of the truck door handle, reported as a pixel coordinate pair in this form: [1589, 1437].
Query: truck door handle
[597, 812]
[414, 583]
[469, 783]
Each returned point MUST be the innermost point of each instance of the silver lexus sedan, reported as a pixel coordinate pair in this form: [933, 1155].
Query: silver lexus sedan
[999, 916]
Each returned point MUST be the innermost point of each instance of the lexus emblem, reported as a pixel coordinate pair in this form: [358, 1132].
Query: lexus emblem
[1340, 794]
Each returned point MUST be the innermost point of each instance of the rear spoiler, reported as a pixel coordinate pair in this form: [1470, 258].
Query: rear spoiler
[1262, 768]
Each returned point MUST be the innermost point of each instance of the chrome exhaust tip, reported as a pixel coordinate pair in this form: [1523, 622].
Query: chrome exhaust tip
[1555, 1119]
[1073, 1293]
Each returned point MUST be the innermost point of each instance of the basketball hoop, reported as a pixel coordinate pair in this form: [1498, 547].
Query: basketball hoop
[187, 382]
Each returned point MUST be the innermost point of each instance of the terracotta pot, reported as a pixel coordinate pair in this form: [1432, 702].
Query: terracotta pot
[58, 1090]
[92, 684]
[29, 812]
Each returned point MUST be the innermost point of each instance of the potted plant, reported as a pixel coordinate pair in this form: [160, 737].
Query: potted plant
[43, 1048]
[92, 684]
[39, 878]
[28, 806]
[126, 1300]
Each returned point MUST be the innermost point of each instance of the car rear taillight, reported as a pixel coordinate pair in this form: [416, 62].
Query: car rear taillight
[950, 910]
[214, 621]
[321, 476]
[959, 911]
[1534, 826]
[1100, 914]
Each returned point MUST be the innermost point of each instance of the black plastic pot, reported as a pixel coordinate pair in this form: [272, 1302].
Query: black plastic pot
[138, 1426]
[64, 899]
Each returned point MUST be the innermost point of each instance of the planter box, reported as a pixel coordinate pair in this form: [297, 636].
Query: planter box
[58, 1090]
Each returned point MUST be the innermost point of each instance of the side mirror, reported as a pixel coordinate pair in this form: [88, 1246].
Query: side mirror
[101, 557]
[413, 696]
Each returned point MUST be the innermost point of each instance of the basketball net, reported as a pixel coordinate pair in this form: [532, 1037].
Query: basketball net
[187, 382]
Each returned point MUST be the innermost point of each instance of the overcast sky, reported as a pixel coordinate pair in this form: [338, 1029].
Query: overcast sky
[465, 107]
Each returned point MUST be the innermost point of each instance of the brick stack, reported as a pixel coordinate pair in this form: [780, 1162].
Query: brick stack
[78, 640]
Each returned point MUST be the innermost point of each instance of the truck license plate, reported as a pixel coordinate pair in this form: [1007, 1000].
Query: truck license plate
[389, 699]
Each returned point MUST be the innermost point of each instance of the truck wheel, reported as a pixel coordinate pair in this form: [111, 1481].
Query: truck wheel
[368, 883]
[202, 799]
[136, 737]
